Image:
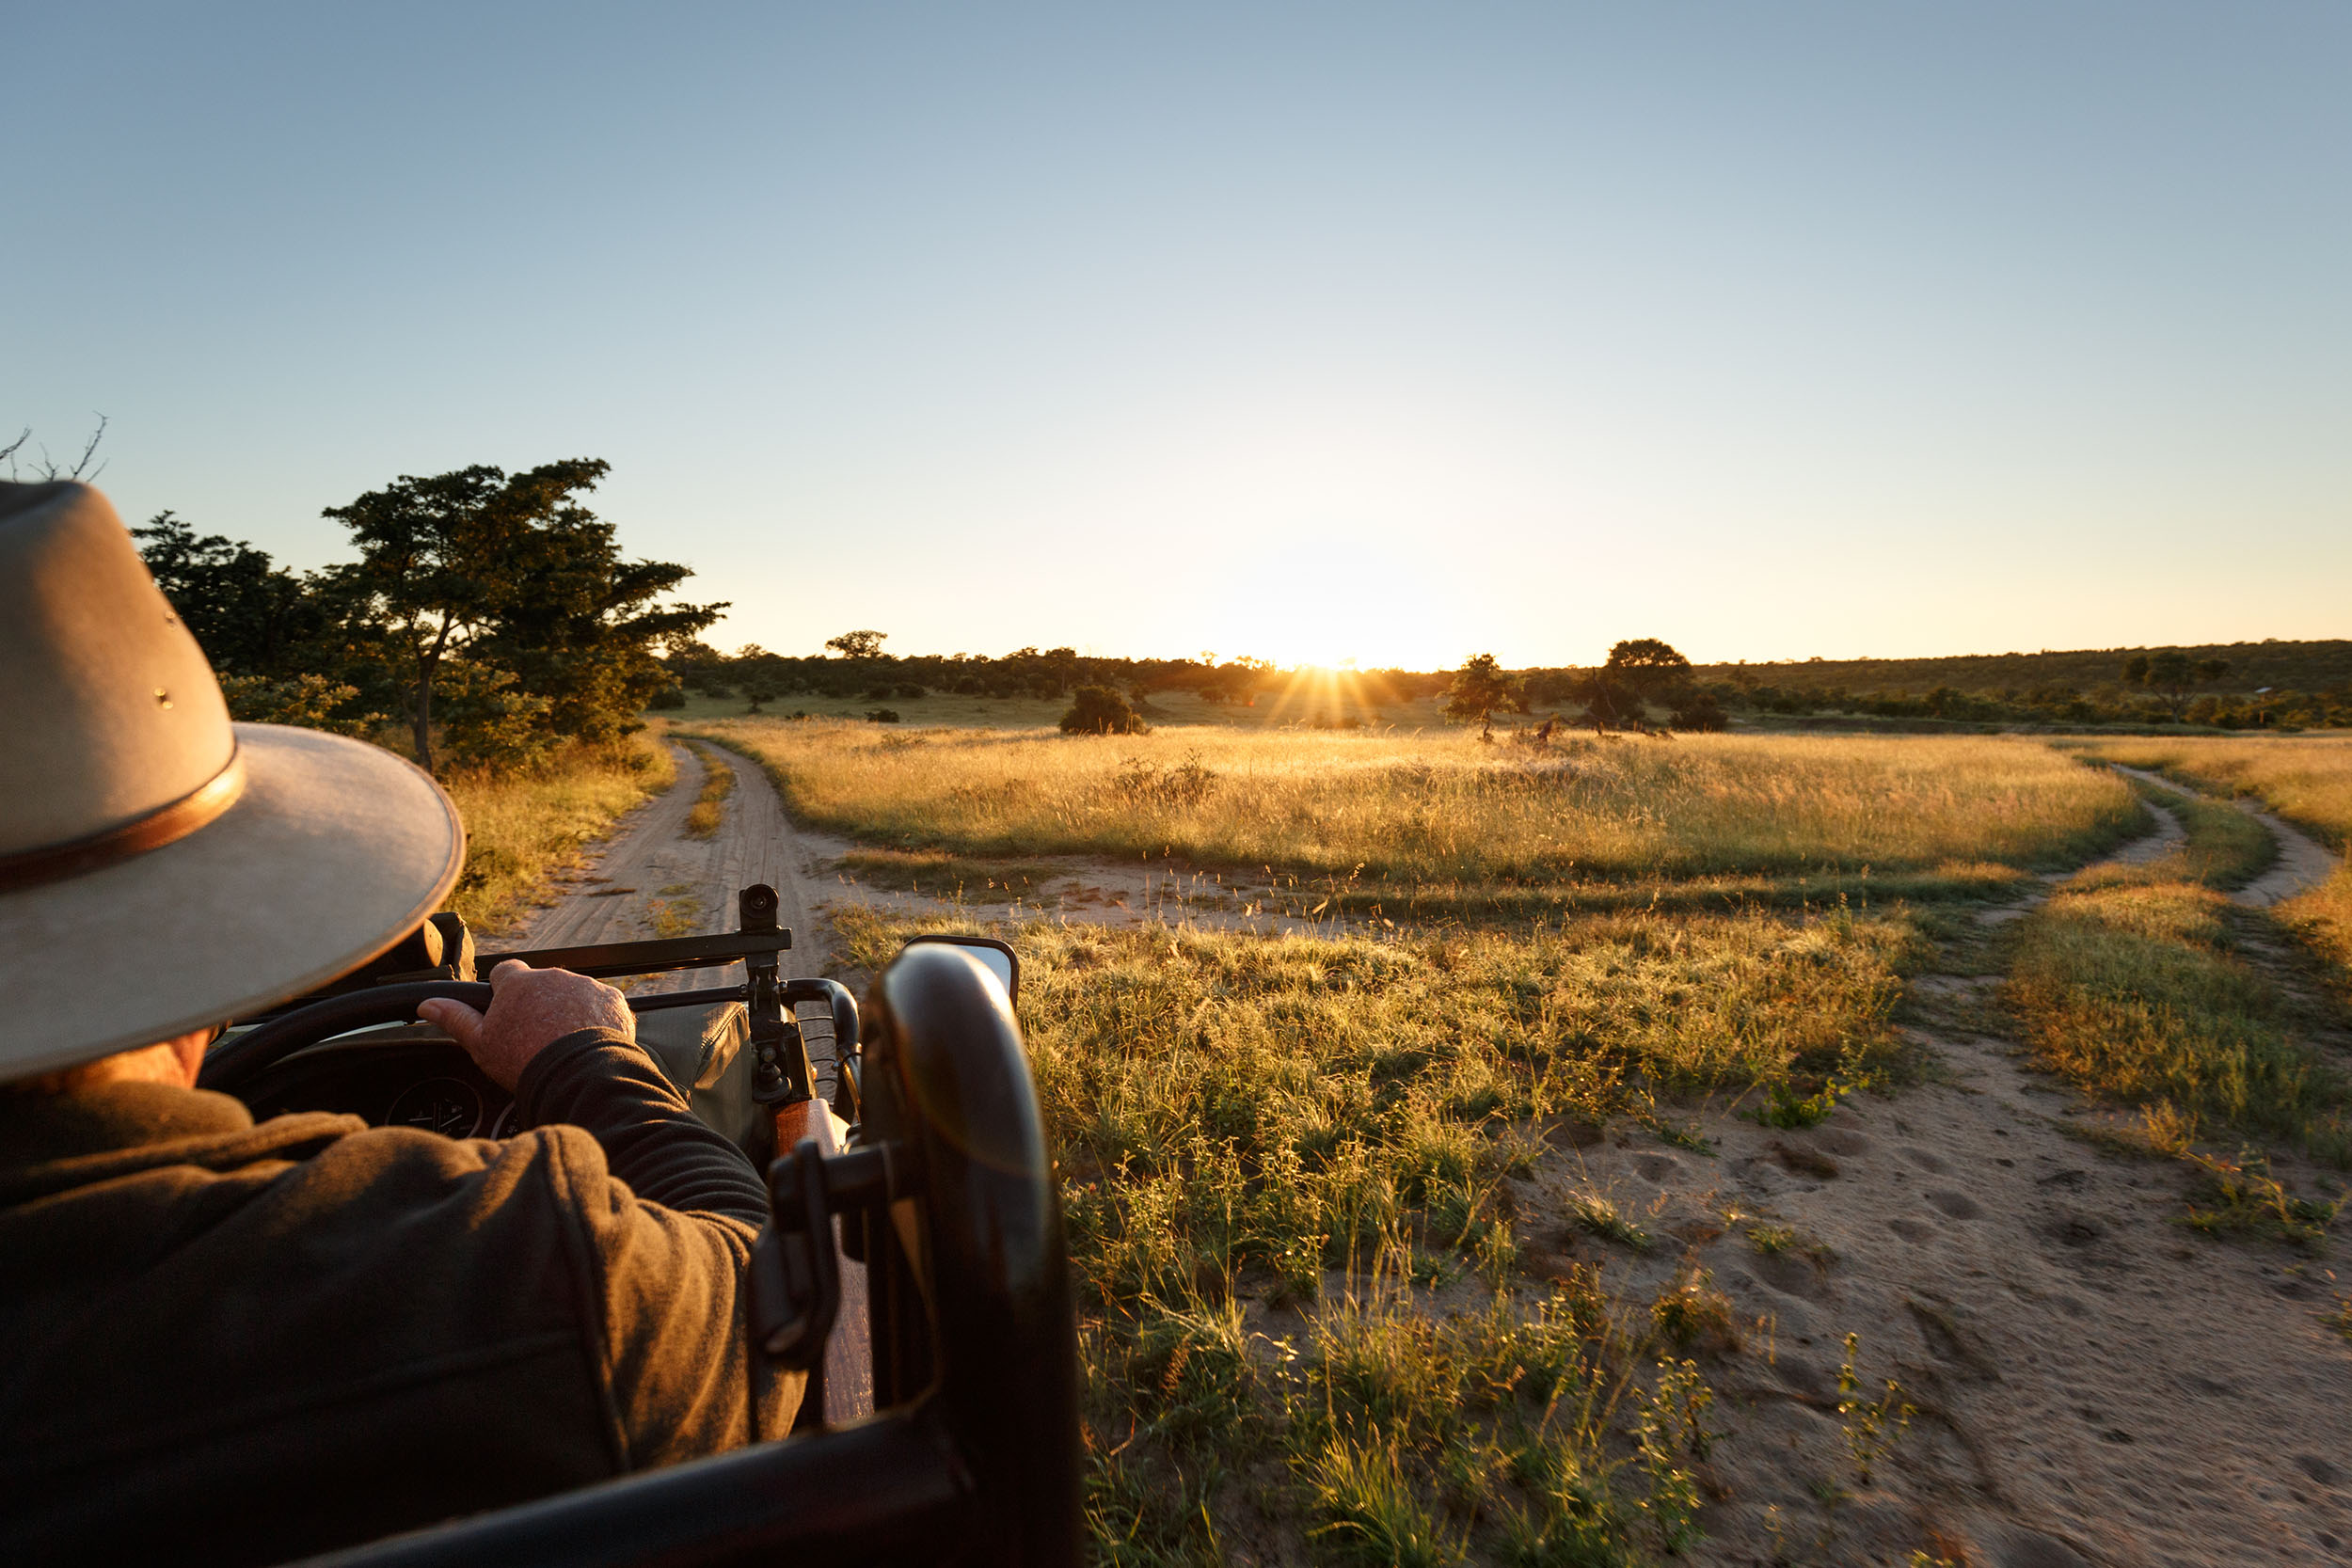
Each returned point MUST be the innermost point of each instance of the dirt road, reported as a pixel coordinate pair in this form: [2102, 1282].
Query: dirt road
[652, 877]
[2093, 1383]
[2303, 861]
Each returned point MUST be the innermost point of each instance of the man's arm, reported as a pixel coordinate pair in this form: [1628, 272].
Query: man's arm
[594, 1078]
[667, 1206]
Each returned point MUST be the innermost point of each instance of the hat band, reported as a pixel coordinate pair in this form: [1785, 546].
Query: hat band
[165, 825]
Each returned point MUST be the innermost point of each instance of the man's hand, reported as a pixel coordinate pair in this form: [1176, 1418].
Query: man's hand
[529, 1010]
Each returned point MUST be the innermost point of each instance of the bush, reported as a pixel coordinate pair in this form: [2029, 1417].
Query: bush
[910, 691]
[1698, 711]
[883, 715]
[881, 694]
[668, 697]
[1099, 710]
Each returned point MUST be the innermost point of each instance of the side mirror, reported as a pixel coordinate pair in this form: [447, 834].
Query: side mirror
[996, 957]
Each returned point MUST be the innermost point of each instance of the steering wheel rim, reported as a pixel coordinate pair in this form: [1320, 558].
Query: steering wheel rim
[235, 1062]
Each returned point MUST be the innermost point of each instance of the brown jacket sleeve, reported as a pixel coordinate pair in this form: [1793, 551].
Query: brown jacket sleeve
[666, 1211]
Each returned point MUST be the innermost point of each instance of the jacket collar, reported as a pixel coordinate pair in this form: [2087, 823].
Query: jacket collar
[53, 1142]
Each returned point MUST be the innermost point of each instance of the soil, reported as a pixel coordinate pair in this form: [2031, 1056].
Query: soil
[2093, 1382]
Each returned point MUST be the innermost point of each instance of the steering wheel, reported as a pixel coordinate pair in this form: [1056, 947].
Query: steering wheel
[235, 1062]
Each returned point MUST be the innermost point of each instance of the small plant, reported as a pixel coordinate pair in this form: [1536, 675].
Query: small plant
[1497, 1251]
[1180, 787]
[1692, 1314]
[1769, 1239]
[2240, 1198]
[1783, 1107]
[1871, 1426]
[2341, 1318]
[882, 715]
[1101, 711]
[674, 917]
[1672, 1423]
[1371, 1514]
[1598, 1215]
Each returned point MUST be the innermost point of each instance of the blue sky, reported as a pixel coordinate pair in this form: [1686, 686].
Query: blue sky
[1310, 332]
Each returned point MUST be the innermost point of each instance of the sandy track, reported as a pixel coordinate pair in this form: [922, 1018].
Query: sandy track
[2303, 861]
[2095, 1383]
[651, 878]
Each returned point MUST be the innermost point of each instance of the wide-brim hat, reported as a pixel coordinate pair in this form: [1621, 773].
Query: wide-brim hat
[162, 868]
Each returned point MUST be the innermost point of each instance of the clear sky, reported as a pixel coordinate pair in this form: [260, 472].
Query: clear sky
[1301, 331]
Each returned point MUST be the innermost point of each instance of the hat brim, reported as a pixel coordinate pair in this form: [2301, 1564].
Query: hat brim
[336, 851]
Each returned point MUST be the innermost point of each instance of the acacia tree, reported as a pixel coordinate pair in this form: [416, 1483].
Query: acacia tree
[2172, 676]
[512, 568]
[1639, 669]
[1481, 689]
[858, 644]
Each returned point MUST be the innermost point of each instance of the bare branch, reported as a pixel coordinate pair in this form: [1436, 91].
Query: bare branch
[48, 470]
[89, 449]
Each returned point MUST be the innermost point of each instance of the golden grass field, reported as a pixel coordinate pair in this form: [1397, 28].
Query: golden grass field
[1442, 807]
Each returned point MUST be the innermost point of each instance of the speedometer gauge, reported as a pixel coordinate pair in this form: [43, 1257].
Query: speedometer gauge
[448, 1106]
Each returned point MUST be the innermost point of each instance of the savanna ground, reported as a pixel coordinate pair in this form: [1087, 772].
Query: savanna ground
[1733, 1150]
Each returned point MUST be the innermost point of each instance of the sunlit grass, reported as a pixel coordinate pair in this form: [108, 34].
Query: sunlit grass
[1327, 1129]
[2131, 981]
[2305, 780]
[524, 825]
[2225, 848]
[1441, 810]
[710, 809]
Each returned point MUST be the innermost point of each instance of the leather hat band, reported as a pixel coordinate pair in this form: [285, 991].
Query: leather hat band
[165, 825]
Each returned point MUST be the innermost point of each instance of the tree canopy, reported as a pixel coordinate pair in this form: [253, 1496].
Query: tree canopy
[1481, 689]
[495, 611]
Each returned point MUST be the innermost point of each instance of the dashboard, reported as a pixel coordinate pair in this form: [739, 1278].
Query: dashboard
[413, 1075]
[405, 1077]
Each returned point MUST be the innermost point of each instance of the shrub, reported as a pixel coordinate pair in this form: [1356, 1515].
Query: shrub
[909, 690]
[883, 715]
[1698, 711]
[668, 697]
[1099, 710]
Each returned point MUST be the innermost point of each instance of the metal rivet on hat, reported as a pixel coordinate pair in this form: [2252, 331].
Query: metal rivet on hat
[162, 698]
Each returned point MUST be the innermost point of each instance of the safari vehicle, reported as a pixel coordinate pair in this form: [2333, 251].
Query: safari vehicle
[917, 1270]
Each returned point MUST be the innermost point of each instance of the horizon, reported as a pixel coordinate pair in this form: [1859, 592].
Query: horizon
[1390, 334]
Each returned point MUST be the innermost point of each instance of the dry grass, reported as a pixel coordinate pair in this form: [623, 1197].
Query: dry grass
[2130, 981]
[1442, 809]
[2135, 991]
[710, 809]
[2225, 848]
[1325, 1129]
[2306, 781]
[2323, 917]
[522, 826]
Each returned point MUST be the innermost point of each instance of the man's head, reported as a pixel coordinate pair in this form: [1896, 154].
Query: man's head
[162, 868]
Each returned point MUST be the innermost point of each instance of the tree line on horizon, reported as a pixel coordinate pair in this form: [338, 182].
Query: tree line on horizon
[1641, 681]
